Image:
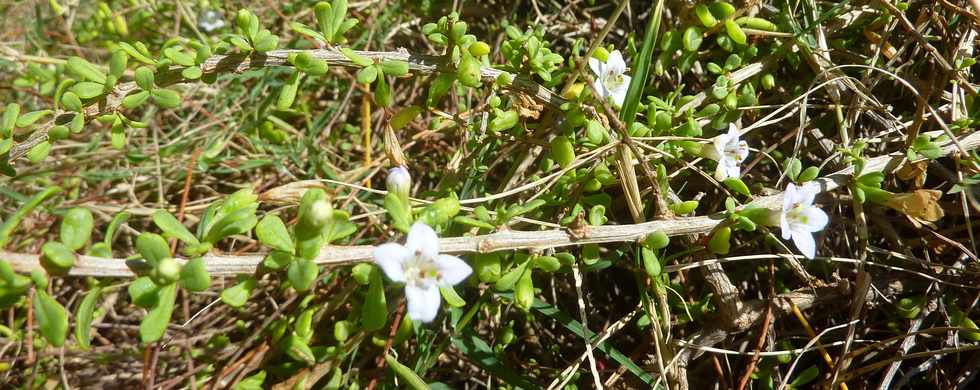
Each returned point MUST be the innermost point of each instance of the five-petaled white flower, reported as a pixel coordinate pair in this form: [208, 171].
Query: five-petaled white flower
[210, 20]
[423, 270]
[611, 79]
[799, 218]
[729, 152]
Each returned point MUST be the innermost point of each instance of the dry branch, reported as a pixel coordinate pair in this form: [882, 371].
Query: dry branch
[499, 241]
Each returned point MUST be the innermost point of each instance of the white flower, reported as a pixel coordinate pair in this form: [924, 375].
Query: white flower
[799, 218]
[399, 181]
[610, 77]
[210, 20]
[729, 152]
[423, 270]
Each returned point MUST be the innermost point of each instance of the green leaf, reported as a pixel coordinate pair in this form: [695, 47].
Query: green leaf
[367, 75]
[172, 228]
[685, 207]
[324, 18]
[265, 41]
[178, 56]
[407, 374]
[272, 232]
[707, 19]
[154, 324]
[451, 296]
[77, 122]
[71, 102]
[735, 32]
[374, 312]
[357, 59]
[309, 64]
[338, 13]
[85, 70]
[31, 117]
[400, 214]
[298, 350]
[237, 295]
[439, 87]
[76, 228]
[84, 317]
[39, 152]
[253, 382]
[692, 39]
[562, 151]
[509, 279]
[191, 73]
[143, 292]
[394, 67]
[805, 376]
[524, 291]
[136, 54]
[166, 98]
[144, 78]
[382, 93]
[10, 115]
[404, 117]
[306, 30]
[302, 274]
[720, 241]
[51, 318]
[642, 67]
[737, 185]
[651, 264]
[56, 258]
[194, 275]
[135, 100]
[238, 222]
[793, 166]
[808, 174]
[117, 63]
[87, 90]
[468, 71]
[57, 133]
[152, 247]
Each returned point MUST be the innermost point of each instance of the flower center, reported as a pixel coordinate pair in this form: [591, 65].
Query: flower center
[421, 271]
[612, 80]
[796, 215]
[731, 151]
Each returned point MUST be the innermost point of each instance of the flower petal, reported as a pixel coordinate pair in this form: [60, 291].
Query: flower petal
[421, 238]
[601, 89]
[615, 63]
[808, 192]
[789, 198]
[423, 302]
[784, 226]
[742, 150]
[597, 66]
[805, 243]
[452, 269]
[721, 171]
[733, 130]
[732, 169]
[390, 257]
[618, 92]
[813, 219]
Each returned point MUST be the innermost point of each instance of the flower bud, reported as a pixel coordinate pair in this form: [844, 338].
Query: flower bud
[167, 271]
[399, 182]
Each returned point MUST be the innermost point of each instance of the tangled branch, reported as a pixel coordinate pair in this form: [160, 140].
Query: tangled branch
[500, 241]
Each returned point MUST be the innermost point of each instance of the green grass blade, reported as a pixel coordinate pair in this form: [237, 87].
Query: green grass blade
[641, 68]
